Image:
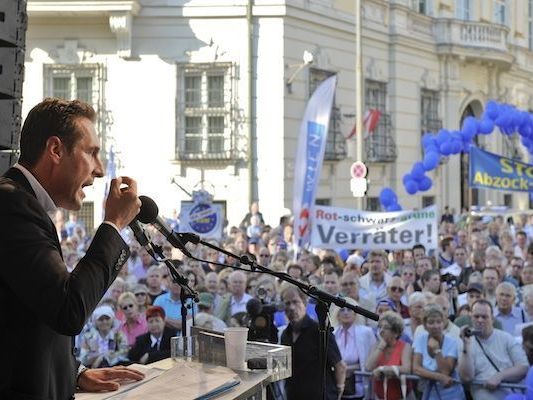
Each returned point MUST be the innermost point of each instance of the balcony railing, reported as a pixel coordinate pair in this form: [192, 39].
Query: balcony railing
[471, 34]
[380, 145]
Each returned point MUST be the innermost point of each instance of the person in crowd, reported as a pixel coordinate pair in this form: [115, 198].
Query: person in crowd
[135, 322]
[447, 247]
[408, 275]
[171, 303]
[476, 264]
[449, 328]
[350, 288]
[295, 270]
[211, 285]
[255, 228]
[505, 311]
[103, 345]
[408, 258]
[396, 292]
[141, 295]
[353, 264]
[59, 156]
[141, 269]
[493, 356]
[491, 279]
[155, 344]
[516, 265]
[527, 302]
[205, 317]
[520, 248]
[460, 258]
[310, 263]
[419, 251]
[422, 265]
[235, 301]
[376, 280]
[302, 335]
[417, 302]
[390, 357]
[431, 282]
[254, 211]
[153, 282]
[354, 343]
[435, 356]
[331, 283]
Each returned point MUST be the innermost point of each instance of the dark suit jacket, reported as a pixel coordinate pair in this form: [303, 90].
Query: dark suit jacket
[41, 305]
[143, 345]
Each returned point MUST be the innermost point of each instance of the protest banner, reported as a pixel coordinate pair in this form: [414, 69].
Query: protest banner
[343, 228]
[491, 171]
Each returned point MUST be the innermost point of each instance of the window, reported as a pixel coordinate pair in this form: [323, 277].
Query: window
[205, 124]
[429, 111]
[463, 9]
[379, 145]
[428, 201]
[70, 82]
[84, 82]
[500, 11]
[323, 202]
[335, 144]
[423, 6]
[373, 204]
[508, 200]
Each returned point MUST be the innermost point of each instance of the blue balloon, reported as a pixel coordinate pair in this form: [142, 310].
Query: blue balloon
[443, 137]
[446, 148]
[394, 207]
[492, 110]
[387, 197]
[486, 126]
[432, 149]
[431, 161]
[427, 140]
[425, 184]
[418, 171]
[407, 177]
[411, 187]
[457, 146]
[470, 126]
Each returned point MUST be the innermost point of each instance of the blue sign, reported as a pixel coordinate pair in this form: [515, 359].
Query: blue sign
[492, 171]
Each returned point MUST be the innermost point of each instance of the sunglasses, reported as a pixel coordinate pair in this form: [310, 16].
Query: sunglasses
[397, 289]
[140, 294]
[127, 306]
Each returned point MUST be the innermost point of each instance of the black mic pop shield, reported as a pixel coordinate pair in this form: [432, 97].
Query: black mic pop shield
[149, 215]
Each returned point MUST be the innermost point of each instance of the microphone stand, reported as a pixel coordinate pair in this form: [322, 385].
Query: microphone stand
[186, 291]
[324, 299]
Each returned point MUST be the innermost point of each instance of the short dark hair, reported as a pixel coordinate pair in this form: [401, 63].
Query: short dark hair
[426, 276]
[419, 246]
[52, 117]
[484, 302]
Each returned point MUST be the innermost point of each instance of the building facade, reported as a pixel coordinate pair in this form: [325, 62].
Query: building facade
[210, 93]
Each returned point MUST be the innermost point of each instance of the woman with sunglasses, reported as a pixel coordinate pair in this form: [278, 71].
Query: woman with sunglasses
[135, 323]
[396, 292]
[143, 300]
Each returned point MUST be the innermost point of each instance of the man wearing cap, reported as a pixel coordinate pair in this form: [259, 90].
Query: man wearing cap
[154, 345]
[205, 306]
[45, 305]
[474, 292]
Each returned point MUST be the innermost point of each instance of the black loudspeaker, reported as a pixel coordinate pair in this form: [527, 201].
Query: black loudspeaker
[13, 23]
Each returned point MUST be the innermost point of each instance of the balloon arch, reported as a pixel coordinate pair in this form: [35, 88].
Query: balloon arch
[445, 143]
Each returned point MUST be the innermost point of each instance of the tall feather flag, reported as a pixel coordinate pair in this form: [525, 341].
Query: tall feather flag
[309, 157]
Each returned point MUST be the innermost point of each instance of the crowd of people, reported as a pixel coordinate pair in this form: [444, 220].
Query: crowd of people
[460, 314]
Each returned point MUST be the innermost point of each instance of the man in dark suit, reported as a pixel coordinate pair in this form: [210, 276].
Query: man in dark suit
[154, 345]
[44, 304]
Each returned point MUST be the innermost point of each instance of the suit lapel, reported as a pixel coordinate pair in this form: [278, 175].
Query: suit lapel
[22, 183]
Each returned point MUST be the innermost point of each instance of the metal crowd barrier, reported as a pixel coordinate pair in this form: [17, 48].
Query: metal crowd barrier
[503, 385]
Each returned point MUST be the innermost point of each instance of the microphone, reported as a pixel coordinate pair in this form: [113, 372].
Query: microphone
[149, 215]
[140, 236]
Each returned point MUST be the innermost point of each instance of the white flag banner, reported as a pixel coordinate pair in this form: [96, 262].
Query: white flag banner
[309, 157]
[344, 228]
